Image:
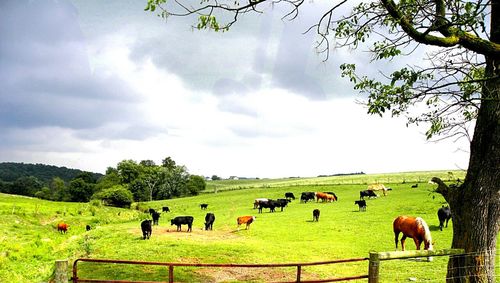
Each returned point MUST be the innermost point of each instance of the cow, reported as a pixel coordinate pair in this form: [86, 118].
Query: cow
[203, 206]
[165, 209]
[333, 194]
[271, 204]
[316, 215]
[324, 197]
[247, 220]
[289, 195]
[444, 214]
[257, 201]
[180, 220]
[87, 227]
[414, 186]
[306, 196]
[151, 211]
[367, 193]
[146, 229]
[281, 203]
[209, 221]
[361, 204]
[156, 217]
[62, 227]
[379, 187]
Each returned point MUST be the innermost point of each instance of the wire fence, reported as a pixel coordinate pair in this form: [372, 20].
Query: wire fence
[425, 270]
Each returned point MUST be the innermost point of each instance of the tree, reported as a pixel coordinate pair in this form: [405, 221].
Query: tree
[196, 184]
[79, 190]
[461, 84]
[173, 182]
[117, 196]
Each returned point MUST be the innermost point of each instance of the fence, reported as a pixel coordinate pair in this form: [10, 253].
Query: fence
[373, 275]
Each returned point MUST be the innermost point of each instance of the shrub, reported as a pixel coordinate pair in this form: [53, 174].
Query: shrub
[115, 196]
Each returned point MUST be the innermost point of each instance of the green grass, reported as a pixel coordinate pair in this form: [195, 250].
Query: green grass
[30, 244]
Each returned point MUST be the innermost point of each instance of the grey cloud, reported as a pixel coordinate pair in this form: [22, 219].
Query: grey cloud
[45, 75]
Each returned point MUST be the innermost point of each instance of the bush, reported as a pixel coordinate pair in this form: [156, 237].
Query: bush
[115, 196]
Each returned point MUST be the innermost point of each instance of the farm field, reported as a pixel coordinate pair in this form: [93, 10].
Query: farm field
[30, 244]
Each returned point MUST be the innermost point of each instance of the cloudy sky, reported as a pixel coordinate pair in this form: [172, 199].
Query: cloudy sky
[86, 84]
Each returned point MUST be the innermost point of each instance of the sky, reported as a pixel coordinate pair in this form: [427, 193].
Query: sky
[87, 84]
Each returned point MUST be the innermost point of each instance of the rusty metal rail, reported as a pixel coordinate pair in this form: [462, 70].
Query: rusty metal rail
[171, 266]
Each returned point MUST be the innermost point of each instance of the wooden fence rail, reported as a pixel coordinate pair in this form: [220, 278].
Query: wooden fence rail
[375, 258]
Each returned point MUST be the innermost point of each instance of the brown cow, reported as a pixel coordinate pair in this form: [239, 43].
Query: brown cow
[245, 220]
[62, 227]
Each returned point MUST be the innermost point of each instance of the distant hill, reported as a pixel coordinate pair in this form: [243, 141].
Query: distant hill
[11, 171]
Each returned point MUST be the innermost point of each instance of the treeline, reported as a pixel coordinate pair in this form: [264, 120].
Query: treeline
[129, 181]
[11, 171]
[343, 174]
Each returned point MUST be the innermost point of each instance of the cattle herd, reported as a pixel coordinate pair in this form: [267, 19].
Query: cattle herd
[444, 213]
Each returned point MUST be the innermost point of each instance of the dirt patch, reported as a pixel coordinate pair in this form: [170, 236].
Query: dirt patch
[215, 275]
[195, 234]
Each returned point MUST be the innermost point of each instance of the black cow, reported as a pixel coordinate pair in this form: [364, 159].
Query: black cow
[316, 215]
[361, 204]
[306, 196]
[151, 211]
[271, 204]
[444, 214]
[146, 229]
[165, 209]
[367, 193]
[281, 202]
[87, 227]
[209, 221]
[333, 194]
[289, 195]
[156, 217]
[180, 220]
[204, 205]
[414, 186]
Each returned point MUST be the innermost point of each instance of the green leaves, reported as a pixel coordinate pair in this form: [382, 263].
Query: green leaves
[210, 22]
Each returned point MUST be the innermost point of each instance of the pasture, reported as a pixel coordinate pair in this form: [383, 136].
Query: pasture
[30, 242]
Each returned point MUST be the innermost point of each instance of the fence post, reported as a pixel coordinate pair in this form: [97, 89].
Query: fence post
[61, 272]
[373, 267]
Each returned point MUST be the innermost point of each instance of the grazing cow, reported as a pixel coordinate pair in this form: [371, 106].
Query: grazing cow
[151, 211]
[281, 202]
[444, 214]
[306, 196]
[367, 193]
[62, 227]
[146, 229]
[316, 215]
[257, 202]
[165, 209]
[379, 187]
[203, 206]
[271, 204]
[333, 194]
[414, 186]
[209, 221]
[324, 197]
[245, 220]
[289, 195]
[87, 227]
[179, 220]
[156, 217]
[361, 204]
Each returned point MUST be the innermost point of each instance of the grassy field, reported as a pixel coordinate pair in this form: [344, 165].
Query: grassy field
[30, 244]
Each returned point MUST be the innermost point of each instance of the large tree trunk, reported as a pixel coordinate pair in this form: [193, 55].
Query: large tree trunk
[476, 203]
